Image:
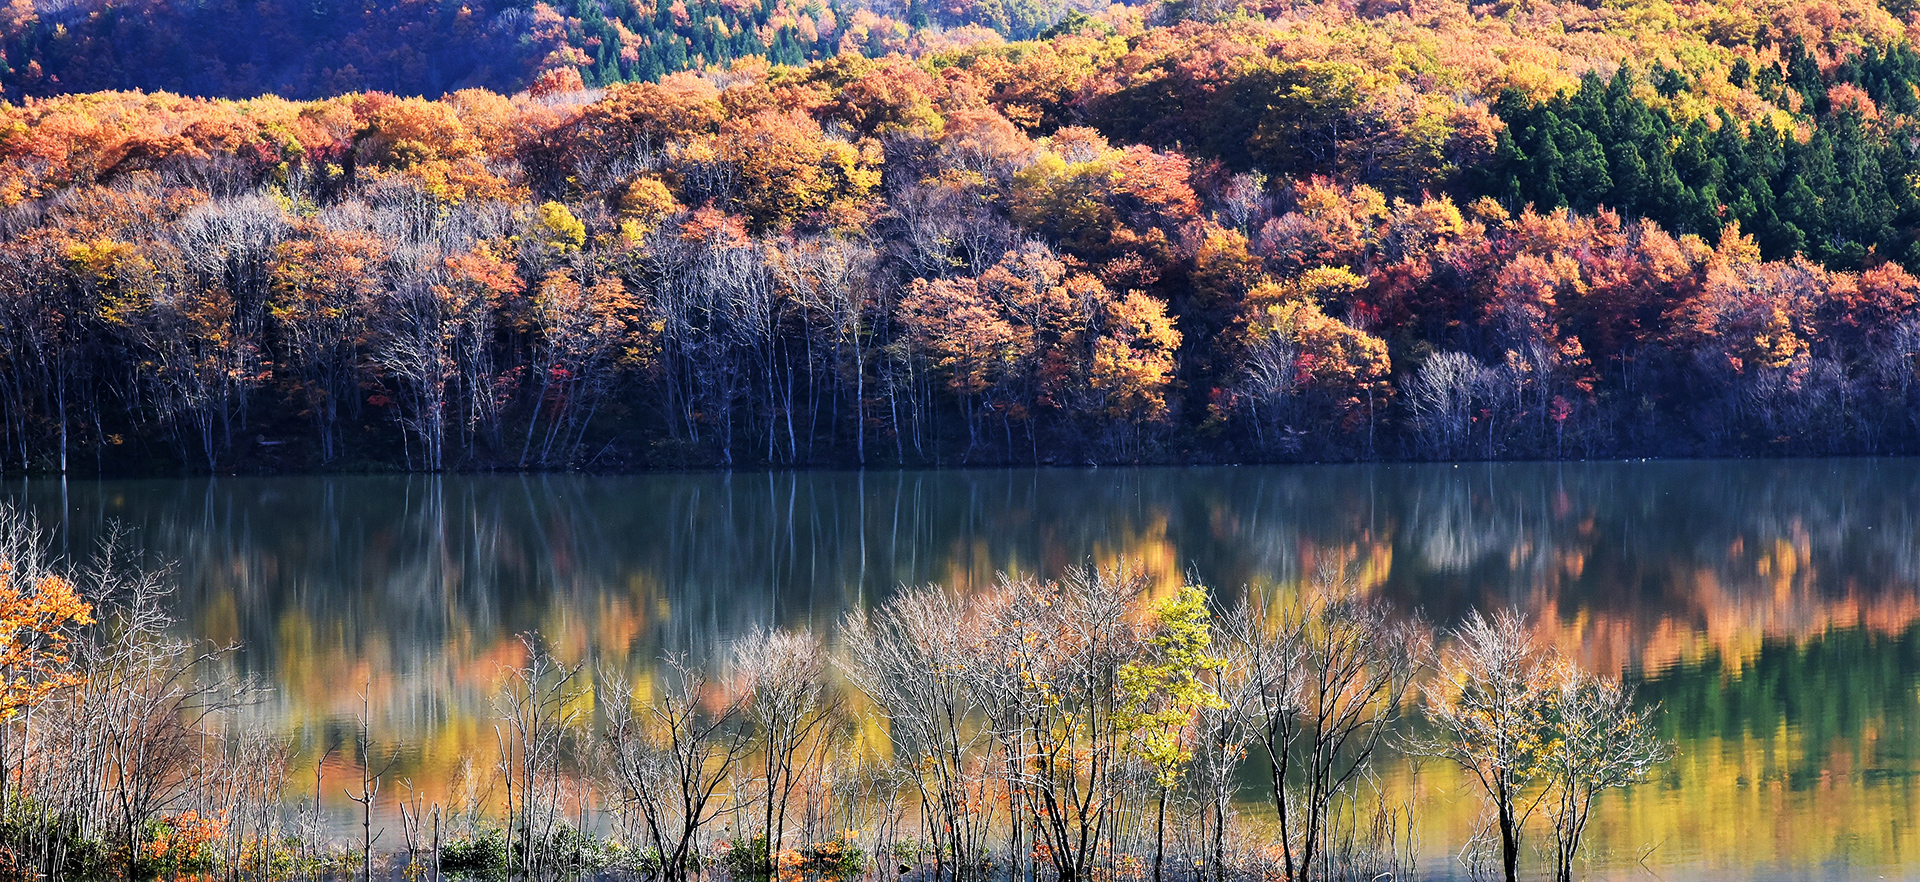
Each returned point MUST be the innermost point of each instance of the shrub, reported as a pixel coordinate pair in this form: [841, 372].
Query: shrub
[182, 844]
[483, 855]
[746, 859]
[837, 859]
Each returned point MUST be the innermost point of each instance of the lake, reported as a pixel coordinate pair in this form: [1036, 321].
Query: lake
[1772, 607]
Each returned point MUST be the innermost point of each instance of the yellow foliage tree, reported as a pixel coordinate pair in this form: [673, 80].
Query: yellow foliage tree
[1344, 366]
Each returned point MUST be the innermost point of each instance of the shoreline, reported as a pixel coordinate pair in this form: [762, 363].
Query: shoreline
[890, 468]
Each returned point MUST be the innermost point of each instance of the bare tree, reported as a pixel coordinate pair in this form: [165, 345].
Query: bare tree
[1329, 677]
[415, 346]
[1443, 397]
[783, 678]
[910, 658]
[1270, 379]
[1223, 732]
[244, 781]
[671, 756]
[370, 781]
[1489, 708]
[536, 718]
[1602, 740]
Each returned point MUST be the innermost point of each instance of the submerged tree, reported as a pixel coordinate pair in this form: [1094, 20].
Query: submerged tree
[1603, 740]
[672, 757]
[1530, 727]
[911, 658]
[1328, 677]
[785, 696]
[1489, 709]
[1162, 692]
[537, 718]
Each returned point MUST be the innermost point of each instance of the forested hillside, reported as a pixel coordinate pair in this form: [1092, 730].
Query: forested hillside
[322, 48]
[1421, 229]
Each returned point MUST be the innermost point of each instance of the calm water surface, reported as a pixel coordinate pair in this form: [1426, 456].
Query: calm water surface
[1773, 607]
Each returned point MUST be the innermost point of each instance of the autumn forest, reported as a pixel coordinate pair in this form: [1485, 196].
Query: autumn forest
[1184, 233]
[784, 264]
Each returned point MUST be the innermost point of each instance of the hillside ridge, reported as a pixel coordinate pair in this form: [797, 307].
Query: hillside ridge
[1340, 231]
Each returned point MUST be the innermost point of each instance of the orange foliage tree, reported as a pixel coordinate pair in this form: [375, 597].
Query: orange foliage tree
[36, 617]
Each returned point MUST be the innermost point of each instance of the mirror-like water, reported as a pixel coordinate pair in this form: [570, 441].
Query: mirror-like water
[1773, 607]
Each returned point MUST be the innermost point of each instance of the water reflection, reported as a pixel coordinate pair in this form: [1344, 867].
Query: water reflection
[1771, 605]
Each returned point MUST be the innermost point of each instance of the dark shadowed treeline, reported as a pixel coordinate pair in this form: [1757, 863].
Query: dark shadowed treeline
[965, 259]
[432, 47]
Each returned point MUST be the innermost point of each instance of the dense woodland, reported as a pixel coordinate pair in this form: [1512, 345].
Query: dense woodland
[1430, 230]
[323, 48]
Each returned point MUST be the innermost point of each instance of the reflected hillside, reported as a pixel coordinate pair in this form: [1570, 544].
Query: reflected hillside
[1640, 565]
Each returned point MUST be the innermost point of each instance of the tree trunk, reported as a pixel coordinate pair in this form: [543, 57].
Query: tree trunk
[1219, 842]
[1509, 845]
[1159, 834]
[1280, 806]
